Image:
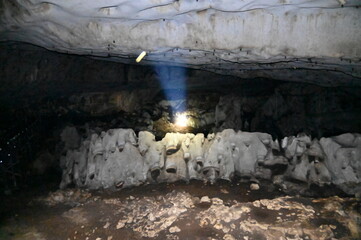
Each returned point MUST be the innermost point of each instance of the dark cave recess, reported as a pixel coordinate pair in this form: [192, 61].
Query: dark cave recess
[38, 85]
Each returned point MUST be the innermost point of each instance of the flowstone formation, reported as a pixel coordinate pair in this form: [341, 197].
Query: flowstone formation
[118, 158]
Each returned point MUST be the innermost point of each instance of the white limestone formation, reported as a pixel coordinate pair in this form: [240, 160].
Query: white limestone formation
[287, 40]
[306, 160]
[153, 154]
[194, 154]
[343, 158]
[116, 159]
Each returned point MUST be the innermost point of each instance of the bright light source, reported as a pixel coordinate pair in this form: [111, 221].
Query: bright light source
[181, 120]
[141, 56]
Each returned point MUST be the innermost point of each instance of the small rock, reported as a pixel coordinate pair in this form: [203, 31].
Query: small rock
[106, 225]
[110, 238]
[203, 223]
[130, 219]
[217, 201]
[225, 229]
[174, 229]
[131, 197]
[205, 199]
[257, 203]
[120, 224]
[254, 187]
[228, 237]
[225, 191]
[151, 217]
[58, 198]
[218, 226]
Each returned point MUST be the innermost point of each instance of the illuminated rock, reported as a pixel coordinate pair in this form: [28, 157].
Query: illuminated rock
[337, 161]
[196, 156]
[296, 151]
[95, 160]
[343, 161]
[175, 168]
[248, 151]
[123, 169]
[153, 154]
[172, 142]
[254, 186]
[319, 173]
[115, 159]
[217, 158]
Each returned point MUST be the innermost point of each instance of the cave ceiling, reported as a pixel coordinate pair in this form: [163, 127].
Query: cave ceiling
[294, 40]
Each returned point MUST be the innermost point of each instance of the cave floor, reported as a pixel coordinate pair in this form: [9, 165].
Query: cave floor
[179, 211]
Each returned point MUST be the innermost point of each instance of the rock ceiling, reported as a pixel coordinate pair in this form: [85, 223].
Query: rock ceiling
[298, 40]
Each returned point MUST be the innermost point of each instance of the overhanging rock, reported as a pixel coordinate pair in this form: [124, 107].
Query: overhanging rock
[310, 41]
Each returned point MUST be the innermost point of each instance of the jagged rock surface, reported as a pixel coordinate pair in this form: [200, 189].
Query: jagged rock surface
[310, 41]
[116, 159]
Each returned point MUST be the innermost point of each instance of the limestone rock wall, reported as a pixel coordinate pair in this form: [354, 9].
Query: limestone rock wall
[118, 158]
[308, 41]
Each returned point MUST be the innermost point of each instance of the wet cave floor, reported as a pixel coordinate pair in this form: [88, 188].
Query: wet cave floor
[179, 211]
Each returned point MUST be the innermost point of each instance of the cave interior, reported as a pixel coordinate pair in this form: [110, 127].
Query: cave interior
[180, 119]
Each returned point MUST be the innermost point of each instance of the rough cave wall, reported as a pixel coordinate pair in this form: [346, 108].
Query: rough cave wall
[287, 40]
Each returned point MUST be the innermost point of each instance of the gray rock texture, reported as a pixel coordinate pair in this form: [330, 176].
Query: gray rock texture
[118, 158]
[309, 41]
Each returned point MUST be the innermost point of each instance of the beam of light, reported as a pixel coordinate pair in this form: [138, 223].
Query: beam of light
[181, 120]
[141, 56]
[173, 83]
